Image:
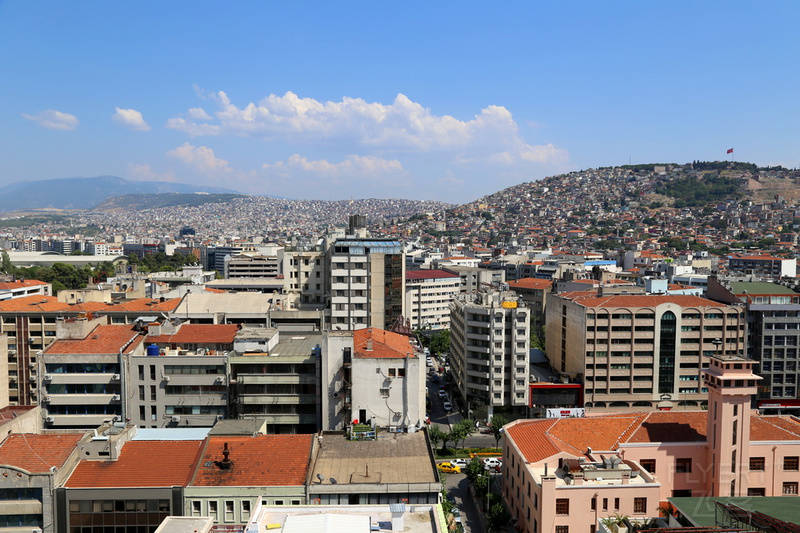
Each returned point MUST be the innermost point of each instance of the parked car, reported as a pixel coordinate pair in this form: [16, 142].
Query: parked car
[490, 463]
[449, 468]
[461, 463]
[447, 406]
[435, 378]
[442, 394]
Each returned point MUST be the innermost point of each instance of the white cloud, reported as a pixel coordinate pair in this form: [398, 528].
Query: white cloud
[130, 118]
[403, 125]
[352, 165]
[54, 120]
[201, 158]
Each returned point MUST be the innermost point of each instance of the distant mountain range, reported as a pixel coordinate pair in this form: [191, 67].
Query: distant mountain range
[86, 193]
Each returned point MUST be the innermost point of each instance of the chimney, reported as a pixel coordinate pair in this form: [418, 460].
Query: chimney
[369, 345]
[226, 462]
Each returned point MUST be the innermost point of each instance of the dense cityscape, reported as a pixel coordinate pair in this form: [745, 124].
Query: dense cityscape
[648, 312]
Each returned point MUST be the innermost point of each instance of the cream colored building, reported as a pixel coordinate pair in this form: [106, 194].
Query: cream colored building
[428, 297]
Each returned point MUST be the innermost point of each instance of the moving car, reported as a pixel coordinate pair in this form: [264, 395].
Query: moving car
[447, 406]
[461, 463]
[449, 468]
[442, 394]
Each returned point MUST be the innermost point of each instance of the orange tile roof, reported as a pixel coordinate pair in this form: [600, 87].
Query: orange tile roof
[530, 283]
[11, 285]
[37, 303]
[142, 463]
[385, 344]
[259, 461]
[102, 340]
[672, 426]
[199, 334]
[37, 453]
[774, 428]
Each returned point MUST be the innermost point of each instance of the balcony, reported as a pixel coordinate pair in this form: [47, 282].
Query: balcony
[18, 507]
[87, 378]
[276, 379]
[81, 399]
[278, 399]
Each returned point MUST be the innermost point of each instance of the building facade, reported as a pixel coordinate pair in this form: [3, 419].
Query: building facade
[490, 349]
[428, 297]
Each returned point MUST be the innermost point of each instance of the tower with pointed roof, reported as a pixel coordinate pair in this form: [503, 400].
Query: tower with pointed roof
[731, 386]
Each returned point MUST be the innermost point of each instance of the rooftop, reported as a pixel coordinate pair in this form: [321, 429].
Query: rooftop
[199, 334]
[38, 453]
[102, 340]
[429, 274]
[378, 343]
[398, 458]
[254, 461]
[141, 463]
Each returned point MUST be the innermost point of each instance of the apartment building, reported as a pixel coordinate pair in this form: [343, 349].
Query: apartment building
[762, 266]
[773, 338]
[374, 377]
[490, 349]
[305, 277]
[249, 265]
[640, 351]
[276, 379]
[82, 373]
[428, 297]
[26, 287]
[30, 324]
[474, 278]
[567, 474]
[180, 379]
[533, 291]
[366, 283]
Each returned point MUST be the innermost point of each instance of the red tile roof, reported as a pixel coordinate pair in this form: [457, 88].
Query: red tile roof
[199, 334]
[102, 340]
[540, 439]
[36, 304]
[259, 461]
[429, 274]
[385, 344]
[11, 285]
[530, 283]
[141, 463]
[37, 453]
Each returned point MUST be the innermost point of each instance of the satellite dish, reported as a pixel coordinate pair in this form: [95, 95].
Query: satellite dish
[333, 481]
[320, 477]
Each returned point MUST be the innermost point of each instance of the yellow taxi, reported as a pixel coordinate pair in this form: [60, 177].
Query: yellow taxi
[449, 468]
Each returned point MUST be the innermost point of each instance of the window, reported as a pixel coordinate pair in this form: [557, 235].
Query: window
[594, 503]
[757, 464]
[562, 506]
[683, 465]
[640, 505]
[562, 529]
[245, 510]
[196, 508]
[392, 372]
[790, 487]
[605, 504]
[212, 509]
[756, 491]
[791, 463]
[616, 504]
[649, 465]
[229, 510]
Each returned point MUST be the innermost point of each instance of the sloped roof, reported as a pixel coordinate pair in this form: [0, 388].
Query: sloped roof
[590, 299]
[540, 439]
[530, 283]
[102, 340]
[385, 344]
[38, 303]
[38, 453]
[256, 461]
[142, 463]
[11, 285]
[199, 334]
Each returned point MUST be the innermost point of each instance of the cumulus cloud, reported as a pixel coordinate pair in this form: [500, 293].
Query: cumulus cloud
[130, 118]
[54, 120]
[352, 165]
[402, 126]
[201, 158]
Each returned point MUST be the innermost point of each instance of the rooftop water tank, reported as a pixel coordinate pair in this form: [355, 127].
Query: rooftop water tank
[153, 349]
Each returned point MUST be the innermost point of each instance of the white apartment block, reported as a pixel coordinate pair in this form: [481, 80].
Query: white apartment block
[428, 297]
[367, 279]
[490, 348]
[305, 277]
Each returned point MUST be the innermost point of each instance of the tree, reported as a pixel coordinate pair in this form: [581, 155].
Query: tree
[6, 266]
[435, 434]
[498, 421]
[461, 430]
[474, 470]
[498, 517]
[440, 341]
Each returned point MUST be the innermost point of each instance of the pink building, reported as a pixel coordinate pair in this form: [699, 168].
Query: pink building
[563, 475]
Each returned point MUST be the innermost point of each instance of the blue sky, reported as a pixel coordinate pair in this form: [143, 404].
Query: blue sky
[426, 100]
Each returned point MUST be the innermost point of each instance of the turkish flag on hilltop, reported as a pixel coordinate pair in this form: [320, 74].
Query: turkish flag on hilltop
[730, 150]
